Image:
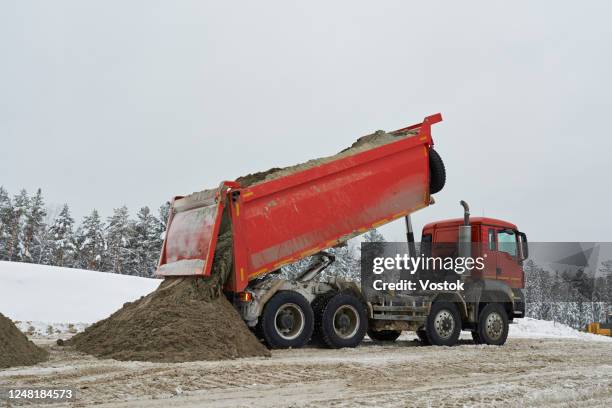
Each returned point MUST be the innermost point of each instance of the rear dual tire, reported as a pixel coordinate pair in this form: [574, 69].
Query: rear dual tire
[287, 321]
[334, 320]
[340, 320]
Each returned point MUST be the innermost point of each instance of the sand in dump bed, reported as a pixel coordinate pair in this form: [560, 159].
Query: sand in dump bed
[378, 138]
[15, 348]
[178, 322]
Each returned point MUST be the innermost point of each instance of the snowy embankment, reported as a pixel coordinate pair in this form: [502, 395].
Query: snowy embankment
[39, 296]
[529, 328]
[49, 300]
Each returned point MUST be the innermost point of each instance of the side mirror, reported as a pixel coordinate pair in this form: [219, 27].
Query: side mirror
[524, 245]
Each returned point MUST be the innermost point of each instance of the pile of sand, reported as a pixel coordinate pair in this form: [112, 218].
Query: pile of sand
[185, 319]
[378, 138]
[15, 348]
[178, 322]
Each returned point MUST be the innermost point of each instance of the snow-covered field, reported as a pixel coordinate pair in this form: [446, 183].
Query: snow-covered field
[39, 295]
[543, 363]
[529, 328]
[49, 300]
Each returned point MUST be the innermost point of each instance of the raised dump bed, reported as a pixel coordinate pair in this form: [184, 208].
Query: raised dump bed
[283, 215]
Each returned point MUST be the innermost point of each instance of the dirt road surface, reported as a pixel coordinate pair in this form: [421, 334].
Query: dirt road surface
[524, 372]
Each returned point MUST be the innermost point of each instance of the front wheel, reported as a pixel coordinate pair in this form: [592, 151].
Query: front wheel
[493, 324]
[287, 320]
[443, 324]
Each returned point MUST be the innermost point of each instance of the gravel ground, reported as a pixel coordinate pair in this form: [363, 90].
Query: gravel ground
[524, 372]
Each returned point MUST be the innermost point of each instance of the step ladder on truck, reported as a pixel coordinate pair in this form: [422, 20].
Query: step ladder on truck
[280, 221]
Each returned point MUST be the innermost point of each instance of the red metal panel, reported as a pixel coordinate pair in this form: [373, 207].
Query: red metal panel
[191, 235]
[283, 220]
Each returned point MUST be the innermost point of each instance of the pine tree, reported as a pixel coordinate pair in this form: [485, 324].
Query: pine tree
[164, 214]
[345, 266]
[118, 233]
[373, 236]
[14, 246]
[33, 229]
[604, 286]
[6, 211]
[61, 246]
[145, 243]
[91, 247]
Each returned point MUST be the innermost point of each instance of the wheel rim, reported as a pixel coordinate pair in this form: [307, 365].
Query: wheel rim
[346, 321]
[289, 321]
[494, 326]
[444, 324]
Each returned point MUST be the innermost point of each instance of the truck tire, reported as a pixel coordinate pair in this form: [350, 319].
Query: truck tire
[343, 321]
[384, 335]
[443, 325]
[287, 320]
[422, 335]
[493, 325]
[437, 172]
[318, 304]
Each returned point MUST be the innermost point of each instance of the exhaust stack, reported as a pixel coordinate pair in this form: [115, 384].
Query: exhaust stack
[466, 212]
[465, 233]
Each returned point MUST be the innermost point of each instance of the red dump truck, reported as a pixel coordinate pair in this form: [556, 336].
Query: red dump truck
[297, 214]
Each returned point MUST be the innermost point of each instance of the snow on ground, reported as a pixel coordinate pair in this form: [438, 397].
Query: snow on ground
[49, 300]
[49, 329]
[34, 294]
[528, 328]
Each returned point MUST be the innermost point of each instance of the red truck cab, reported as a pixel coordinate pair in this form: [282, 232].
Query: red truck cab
[500, 243]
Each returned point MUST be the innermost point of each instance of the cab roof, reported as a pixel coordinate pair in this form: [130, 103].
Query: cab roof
[454, 222]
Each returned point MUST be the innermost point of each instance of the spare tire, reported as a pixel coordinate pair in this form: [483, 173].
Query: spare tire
[437, 172]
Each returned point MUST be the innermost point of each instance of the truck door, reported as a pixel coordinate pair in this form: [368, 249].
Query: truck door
[508, 267]
[490, 254]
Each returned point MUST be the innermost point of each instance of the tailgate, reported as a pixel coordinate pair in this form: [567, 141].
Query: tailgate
[191, 234]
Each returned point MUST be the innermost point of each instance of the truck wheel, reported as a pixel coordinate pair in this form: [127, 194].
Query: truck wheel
[384, 335]
[343, 321]
[493, 324]
[287, 320]
[318, 305]
[437, 172]
[443, 324]
[422, 335]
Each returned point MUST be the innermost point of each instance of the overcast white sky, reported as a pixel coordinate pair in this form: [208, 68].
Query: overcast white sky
[104, 103]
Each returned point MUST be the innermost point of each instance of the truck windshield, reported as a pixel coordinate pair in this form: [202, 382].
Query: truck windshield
[506, 241]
